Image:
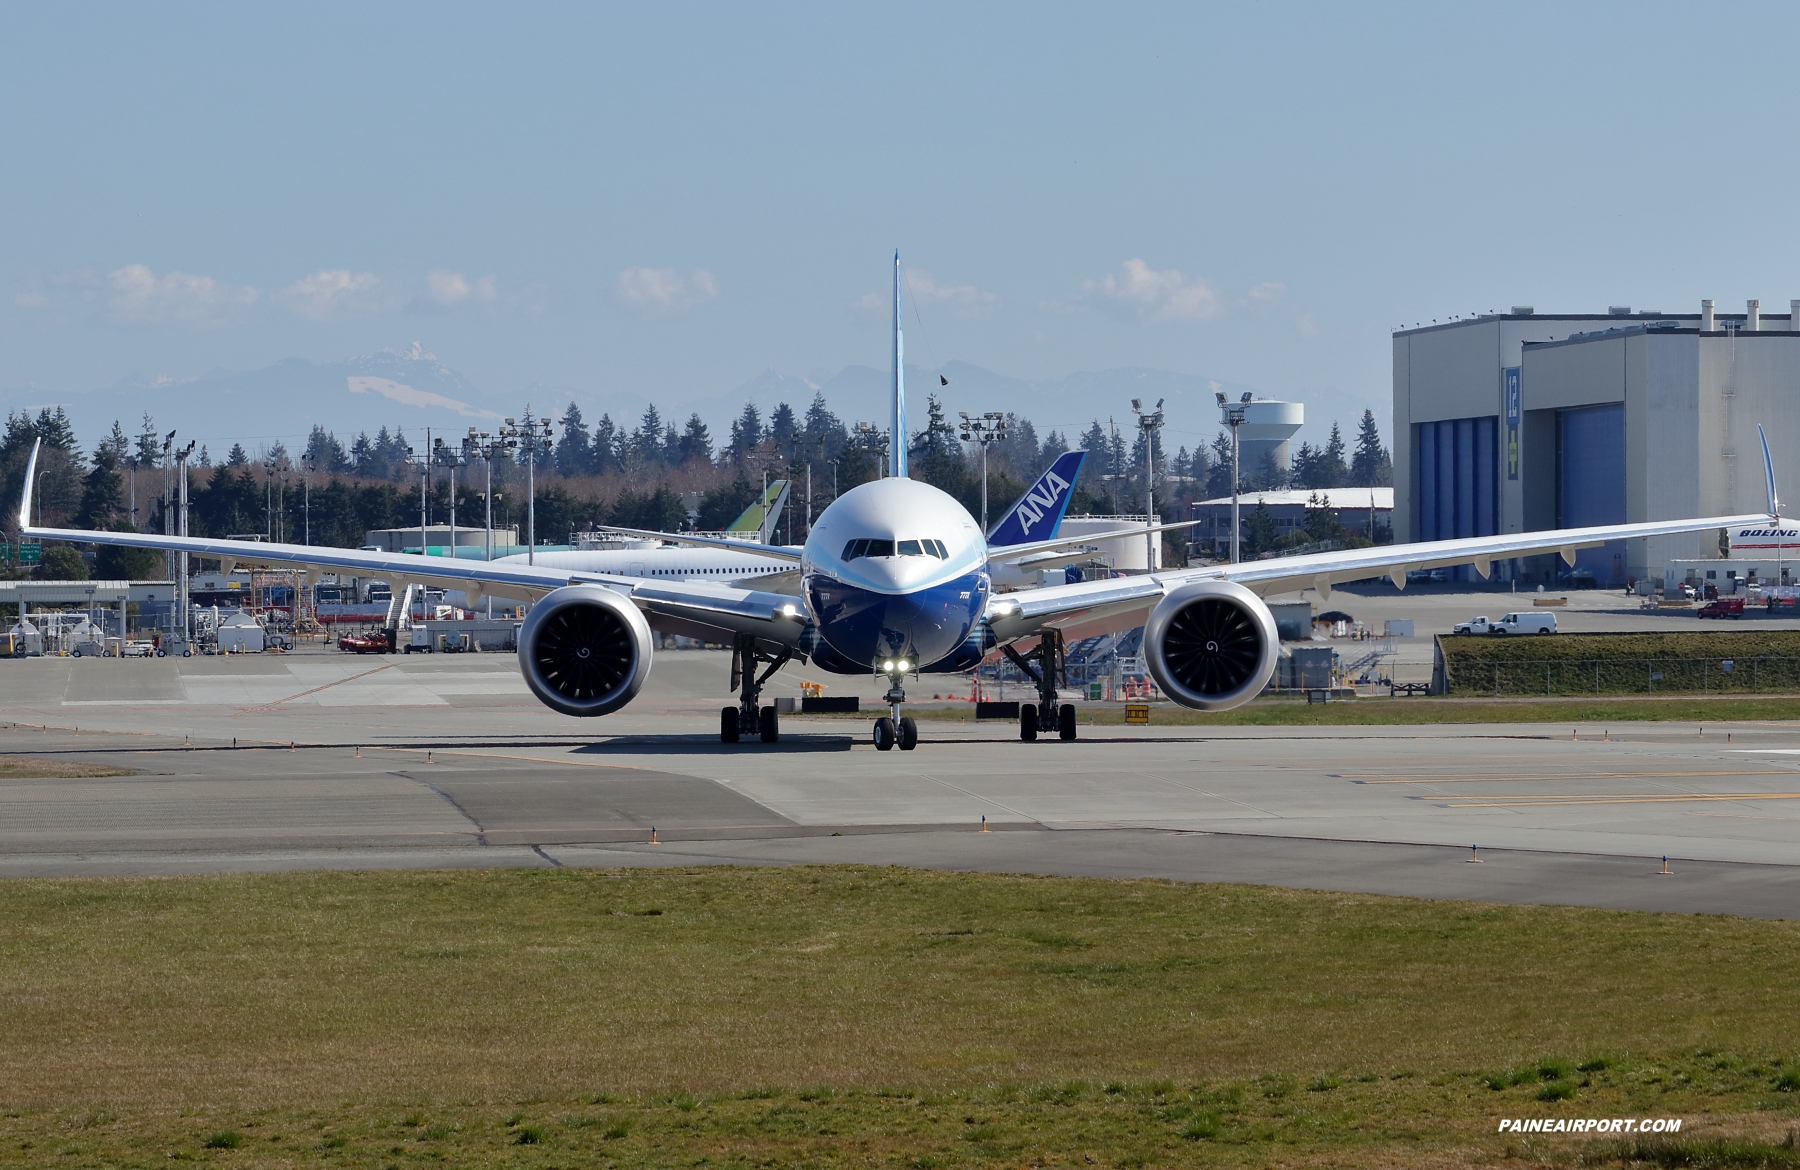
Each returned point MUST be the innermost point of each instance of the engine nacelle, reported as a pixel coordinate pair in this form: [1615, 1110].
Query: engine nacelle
[585, 650]
[1211, 645]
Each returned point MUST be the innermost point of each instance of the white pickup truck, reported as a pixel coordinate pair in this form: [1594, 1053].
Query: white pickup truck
[1512, 623]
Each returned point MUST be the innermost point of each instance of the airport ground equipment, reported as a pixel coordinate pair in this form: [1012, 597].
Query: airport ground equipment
[895, 578]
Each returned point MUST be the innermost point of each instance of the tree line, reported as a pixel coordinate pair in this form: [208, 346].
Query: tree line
[653, 475]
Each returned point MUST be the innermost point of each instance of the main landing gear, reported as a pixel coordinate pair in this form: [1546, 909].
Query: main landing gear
[894, 730]
[1044, 715]
[746, 718]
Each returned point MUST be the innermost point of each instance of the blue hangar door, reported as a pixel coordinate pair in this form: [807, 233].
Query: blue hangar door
[1458, 484]
[1590, 484]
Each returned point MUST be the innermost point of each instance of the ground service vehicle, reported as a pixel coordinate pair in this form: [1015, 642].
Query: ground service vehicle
[1512, 623]
[1722, 607]
[895, 581]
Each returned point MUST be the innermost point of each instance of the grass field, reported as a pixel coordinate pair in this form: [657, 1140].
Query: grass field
[29, 767]
[868, 1016]
[1379, 712]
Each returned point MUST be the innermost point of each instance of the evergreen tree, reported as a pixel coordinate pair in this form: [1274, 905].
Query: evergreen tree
[603, 452]
[1269, 473]
[322, 451]
[1180, 465]
[205, 457]
[1329, 470]
[721, 505]
[277, 454]
[746, 433]
[574, 451]
[362, 454]
[646, 445]
[1259, 532]
[783, 429]
[103, 492]
[696, 443]
[118, 444]
[825, 435]
[671, 445]
[1218, 477]
[1055, 446]
[1300, 467]
[1371, 466]
[148, 444]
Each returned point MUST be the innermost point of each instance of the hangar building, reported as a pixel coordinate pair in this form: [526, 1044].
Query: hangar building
[1521, 421]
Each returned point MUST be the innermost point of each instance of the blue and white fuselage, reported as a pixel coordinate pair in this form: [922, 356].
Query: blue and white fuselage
[894, 571]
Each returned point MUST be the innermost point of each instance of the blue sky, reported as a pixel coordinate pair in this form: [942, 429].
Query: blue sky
[670, 199]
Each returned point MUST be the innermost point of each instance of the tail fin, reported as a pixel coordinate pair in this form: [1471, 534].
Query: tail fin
[1037, 515]
[764, 512]
[1769, 472]
[897, 436]
[30, 482]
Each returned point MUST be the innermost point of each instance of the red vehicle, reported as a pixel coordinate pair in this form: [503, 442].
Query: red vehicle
[364, 643]
[1722, 607]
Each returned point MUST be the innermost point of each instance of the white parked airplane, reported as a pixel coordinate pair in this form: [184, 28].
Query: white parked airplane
[1015, 558]
[895, 580]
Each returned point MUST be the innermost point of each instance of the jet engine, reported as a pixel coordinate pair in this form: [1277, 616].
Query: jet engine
[585, 650]
[1211, 645]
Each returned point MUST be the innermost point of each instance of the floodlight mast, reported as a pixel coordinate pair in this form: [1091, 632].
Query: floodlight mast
[984, 429]
[1233, 413]
[1149, 424]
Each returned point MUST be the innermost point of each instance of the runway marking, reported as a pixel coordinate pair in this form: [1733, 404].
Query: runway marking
[1566, 776]
[988, 799]
[327, 686]
[1626, 798]
[1742, 816]
[1214, 795]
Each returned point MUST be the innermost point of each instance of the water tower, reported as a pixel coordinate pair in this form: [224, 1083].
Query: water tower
[1268, 426]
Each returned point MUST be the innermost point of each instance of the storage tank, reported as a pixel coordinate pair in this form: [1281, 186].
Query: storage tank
[1267, 427]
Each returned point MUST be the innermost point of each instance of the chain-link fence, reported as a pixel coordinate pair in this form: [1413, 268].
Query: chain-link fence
[1576, 677]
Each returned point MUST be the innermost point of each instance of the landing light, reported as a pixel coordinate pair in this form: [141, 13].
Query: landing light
[888, 665]
[789, 610]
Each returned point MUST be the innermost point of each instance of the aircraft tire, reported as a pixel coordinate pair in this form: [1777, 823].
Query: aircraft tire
[728, 725]
[769, 720]
[885, 734]
[1028, 722]
[909, 734]
[1065, 721]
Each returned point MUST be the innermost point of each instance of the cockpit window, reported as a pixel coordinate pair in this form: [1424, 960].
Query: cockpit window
[923, 547]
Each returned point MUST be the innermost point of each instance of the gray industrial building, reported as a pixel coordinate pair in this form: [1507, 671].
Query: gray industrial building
[1521, 421]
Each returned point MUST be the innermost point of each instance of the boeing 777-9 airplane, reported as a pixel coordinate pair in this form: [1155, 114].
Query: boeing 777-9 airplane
[896, 580]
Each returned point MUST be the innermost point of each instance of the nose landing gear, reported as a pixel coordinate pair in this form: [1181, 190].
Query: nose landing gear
[893, 729]
[1045, 715]
[746, 718]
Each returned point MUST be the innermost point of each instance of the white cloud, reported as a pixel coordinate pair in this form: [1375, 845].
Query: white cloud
[336, 292]
[662, 292]
[1152, 295]
[1267, 291]
[965, 300]
[137, 295]
[450, 289]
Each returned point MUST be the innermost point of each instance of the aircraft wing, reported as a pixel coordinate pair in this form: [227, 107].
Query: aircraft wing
[698, 608]
[1095, 607]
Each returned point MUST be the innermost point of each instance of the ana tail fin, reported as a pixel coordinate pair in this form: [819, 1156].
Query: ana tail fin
[1037, 515]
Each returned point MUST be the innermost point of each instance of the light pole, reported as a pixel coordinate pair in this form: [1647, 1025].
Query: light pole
[187, 617]
[422, 460]
[869, 437]
[168, 517]
[984, 429]
[533, 437]
[1148, 424]
[307, 467]
[1233, 413]
[448, 456]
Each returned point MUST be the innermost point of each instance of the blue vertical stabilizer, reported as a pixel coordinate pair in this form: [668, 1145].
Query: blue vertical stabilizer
[1037, 515]
[897, 432]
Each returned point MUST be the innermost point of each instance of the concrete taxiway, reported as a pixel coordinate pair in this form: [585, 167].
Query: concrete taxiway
[325, 760]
